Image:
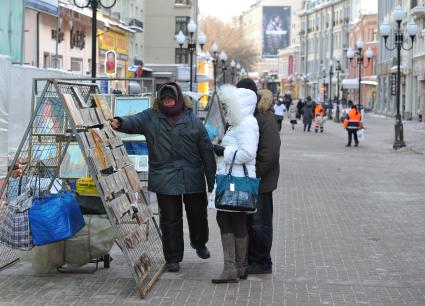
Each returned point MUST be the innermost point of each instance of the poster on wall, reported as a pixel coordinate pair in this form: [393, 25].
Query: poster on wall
[276, 29]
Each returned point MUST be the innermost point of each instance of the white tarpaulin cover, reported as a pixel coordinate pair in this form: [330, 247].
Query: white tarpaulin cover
[15, 103]
[350, 83]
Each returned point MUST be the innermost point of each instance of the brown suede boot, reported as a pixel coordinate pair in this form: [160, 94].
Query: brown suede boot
[230, 272]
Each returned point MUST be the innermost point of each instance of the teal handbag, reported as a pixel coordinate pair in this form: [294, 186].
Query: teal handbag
[237, 194]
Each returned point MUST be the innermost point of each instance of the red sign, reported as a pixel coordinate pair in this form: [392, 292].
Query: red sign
[290, 65]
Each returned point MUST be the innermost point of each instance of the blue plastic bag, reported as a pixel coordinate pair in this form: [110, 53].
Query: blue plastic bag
[55, 218]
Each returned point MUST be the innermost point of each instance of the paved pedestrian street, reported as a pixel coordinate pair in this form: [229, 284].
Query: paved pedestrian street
[348, 230]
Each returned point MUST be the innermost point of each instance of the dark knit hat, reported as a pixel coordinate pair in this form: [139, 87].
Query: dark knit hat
[248, 84]
[167, 91]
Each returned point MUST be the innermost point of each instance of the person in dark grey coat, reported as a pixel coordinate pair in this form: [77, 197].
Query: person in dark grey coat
[260, 224]
[308, 114]
[181, 159]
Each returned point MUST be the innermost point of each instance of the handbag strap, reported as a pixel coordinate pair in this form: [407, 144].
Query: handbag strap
[245, 170]
[231, 165]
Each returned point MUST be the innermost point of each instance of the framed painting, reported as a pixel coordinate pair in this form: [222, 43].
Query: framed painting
[142, 163]
[125, 106]
[48, 153]
[214, 121]
[73, 165]
[50, 117]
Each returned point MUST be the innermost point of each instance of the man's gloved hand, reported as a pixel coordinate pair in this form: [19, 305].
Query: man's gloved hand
[218, 150]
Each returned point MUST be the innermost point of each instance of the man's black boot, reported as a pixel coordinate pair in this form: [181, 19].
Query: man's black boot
[173, 266]
[202, 252]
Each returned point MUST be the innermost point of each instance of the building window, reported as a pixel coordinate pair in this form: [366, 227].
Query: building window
[184, 2]
[76, 64]
[181, 24]
[49, 61]
[413, 3]
[182, 55]
[57, 60]
[89, 66]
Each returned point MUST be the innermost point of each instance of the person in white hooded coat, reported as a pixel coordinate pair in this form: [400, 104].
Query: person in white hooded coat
[242, 136]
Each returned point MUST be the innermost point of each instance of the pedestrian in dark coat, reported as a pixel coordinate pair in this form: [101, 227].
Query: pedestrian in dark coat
[308, 114]
[300, 106]
[260, 224]
[181, 159]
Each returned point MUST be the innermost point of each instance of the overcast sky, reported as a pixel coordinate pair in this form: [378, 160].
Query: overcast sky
[224, 9]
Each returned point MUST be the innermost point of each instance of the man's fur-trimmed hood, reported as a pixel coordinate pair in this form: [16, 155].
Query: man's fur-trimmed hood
[238, 103]
[266, 100]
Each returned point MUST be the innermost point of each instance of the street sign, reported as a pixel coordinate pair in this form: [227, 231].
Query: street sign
[393, 84]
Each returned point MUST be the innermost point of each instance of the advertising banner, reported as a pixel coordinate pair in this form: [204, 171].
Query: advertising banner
[276, 29]
[47, 6]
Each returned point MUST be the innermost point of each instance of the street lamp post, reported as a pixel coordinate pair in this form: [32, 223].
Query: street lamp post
[305, 78]
[337, 69]
[238, 71]
[94, 4]
[360, 63]
[331, 73]
[223, 59]
[233, 70]
[399, 39]
[191, 44]
[324, 83]
[215, 48]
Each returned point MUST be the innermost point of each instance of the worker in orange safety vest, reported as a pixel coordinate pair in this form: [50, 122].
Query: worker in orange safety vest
[318, 118]
[352, 124]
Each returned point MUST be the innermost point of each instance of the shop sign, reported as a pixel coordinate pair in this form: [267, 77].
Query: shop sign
[114, 41]
[393, 84]
[104, 87]
[78, 39]
[111, 62]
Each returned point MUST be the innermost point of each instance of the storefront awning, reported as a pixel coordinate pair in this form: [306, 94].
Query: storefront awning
[350, 83]
[367, 82]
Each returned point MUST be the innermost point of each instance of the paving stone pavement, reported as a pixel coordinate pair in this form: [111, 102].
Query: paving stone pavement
[348, 230]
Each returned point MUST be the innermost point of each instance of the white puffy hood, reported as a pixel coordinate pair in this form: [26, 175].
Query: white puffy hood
[237, 102]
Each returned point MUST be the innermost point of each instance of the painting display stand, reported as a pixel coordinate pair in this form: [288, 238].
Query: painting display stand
[71, 113]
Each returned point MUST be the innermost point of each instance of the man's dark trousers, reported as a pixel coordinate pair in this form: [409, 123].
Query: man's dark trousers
[260, 230]
[171, 223]
[351, 133]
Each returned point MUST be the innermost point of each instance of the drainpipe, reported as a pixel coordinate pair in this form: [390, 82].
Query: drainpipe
[38, 40]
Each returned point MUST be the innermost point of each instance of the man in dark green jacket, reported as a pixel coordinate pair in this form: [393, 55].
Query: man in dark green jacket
[181, 159]
[260, 224]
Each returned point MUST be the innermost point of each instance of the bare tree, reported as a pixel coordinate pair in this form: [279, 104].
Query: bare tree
[228, 37]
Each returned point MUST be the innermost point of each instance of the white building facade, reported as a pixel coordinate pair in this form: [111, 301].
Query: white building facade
[412, 104]
[325, 33]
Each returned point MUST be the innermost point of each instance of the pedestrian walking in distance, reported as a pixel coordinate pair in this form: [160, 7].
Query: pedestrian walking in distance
[279, 112]
[260, 224]
[300, 106]
[319, 113]
[352, 124]
[241, 136]
[292, 115]
[308, 114]
[181, 159]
